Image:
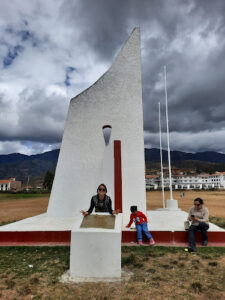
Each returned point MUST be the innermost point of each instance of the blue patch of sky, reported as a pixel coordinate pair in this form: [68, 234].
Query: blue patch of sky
[27, 35]
[69, 70]
[14, 51]
[25, 22]
[11, 55]
[28, 144]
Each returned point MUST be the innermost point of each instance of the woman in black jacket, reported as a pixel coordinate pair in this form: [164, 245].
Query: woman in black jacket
[101, 202]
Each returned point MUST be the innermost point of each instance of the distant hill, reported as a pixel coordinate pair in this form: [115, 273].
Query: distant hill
[21, 166]
[154, 155]
[208, 162]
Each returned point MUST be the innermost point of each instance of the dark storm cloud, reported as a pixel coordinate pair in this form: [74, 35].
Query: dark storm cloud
[102, 24]
[71, 43]
[40, 118]
[176, 34]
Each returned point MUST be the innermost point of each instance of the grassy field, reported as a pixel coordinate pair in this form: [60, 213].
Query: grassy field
[158, 273]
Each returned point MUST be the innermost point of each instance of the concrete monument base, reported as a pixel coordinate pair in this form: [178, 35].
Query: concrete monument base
[96, 252]
[167, 228]
[66, 278]
[172, 205]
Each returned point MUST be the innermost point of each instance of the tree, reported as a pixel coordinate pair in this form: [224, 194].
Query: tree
[48, 180]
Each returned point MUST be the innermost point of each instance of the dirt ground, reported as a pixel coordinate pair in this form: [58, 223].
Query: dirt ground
[20, 208]
[17, 209]
[214, 200]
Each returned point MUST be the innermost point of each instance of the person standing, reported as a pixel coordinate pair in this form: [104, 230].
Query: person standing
[199, 217]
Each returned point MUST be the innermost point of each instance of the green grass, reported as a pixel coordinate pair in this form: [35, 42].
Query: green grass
[14, 196]
[34, 272]
[218, 221]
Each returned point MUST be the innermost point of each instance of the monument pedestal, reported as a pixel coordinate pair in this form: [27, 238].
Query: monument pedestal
[172, 204]
[96, 252]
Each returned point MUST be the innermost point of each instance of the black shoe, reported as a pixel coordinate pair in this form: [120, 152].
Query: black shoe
[190, 249]
[205, 243]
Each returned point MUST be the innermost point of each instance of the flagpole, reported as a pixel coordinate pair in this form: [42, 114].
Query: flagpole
[160, 142]
[168, 138]
[171, 203]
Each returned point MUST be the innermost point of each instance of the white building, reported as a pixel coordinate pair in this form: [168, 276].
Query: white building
[10, 185]
[152, 182]
[201, 181]
[216, 180]
[5, 185]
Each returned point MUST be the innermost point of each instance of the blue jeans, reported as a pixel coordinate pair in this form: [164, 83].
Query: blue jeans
[143, 227]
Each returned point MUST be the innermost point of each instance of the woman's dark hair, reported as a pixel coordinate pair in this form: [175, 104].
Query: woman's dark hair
[102, 184]
[199, 200]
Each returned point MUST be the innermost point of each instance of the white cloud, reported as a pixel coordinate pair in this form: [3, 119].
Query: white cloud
[189, 142]
[40, 40]
[26, 148]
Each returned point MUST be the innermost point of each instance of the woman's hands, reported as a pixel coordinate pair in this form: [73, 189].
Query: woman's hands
[84, 213]
[115, 212]
[190, 218]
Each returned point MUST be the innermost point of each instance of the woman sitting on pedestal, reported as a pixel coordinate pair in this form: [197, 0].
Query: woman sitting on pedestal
[199, 217]
[101, 202]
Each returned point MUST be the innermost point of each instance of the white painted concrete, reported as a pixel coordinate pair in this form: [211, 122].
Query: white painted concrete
[107, 170]
[41, 223]
[158, 221]
[172, 204]
[115, 100]
[66, 278]
[96, 252]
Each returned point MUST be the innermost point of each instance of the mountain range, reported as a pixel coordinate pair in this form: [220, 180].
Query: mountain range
[35, 166]
[153, 154]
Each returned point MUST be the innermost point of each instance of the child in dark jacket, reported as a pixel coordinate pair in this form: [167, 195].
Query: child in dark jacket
[141, 221]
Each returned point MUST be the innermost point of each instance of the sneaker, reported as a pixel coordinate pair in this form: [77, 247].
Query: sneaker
[205, 243]
[151, 242]
[140, 243]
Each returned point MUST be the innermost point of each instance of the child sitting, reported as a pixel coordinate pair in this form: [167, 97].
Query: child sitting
[141, 221]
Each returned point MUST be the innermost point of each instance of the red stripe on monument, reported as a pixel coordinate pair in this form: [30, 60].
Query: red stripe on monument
[34, 237]
[51, 238]
[118, 175]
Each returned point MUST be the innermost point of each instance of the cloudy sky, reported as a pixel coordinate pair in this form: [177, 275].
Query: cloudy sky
[52, 50]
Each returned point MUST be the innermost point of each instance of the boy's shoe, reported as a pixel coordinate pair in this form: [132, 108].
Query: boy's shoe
[140, 243]
[151, 242]
[205, 243]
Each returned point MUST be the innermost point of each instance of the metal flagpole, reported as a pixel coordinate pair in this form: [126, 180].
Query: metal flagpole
[160, 142]
[168, 139]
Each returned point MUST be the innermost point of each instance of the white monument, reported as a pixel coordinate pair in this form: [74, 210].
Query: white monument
[86, 160]
[115, 101]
